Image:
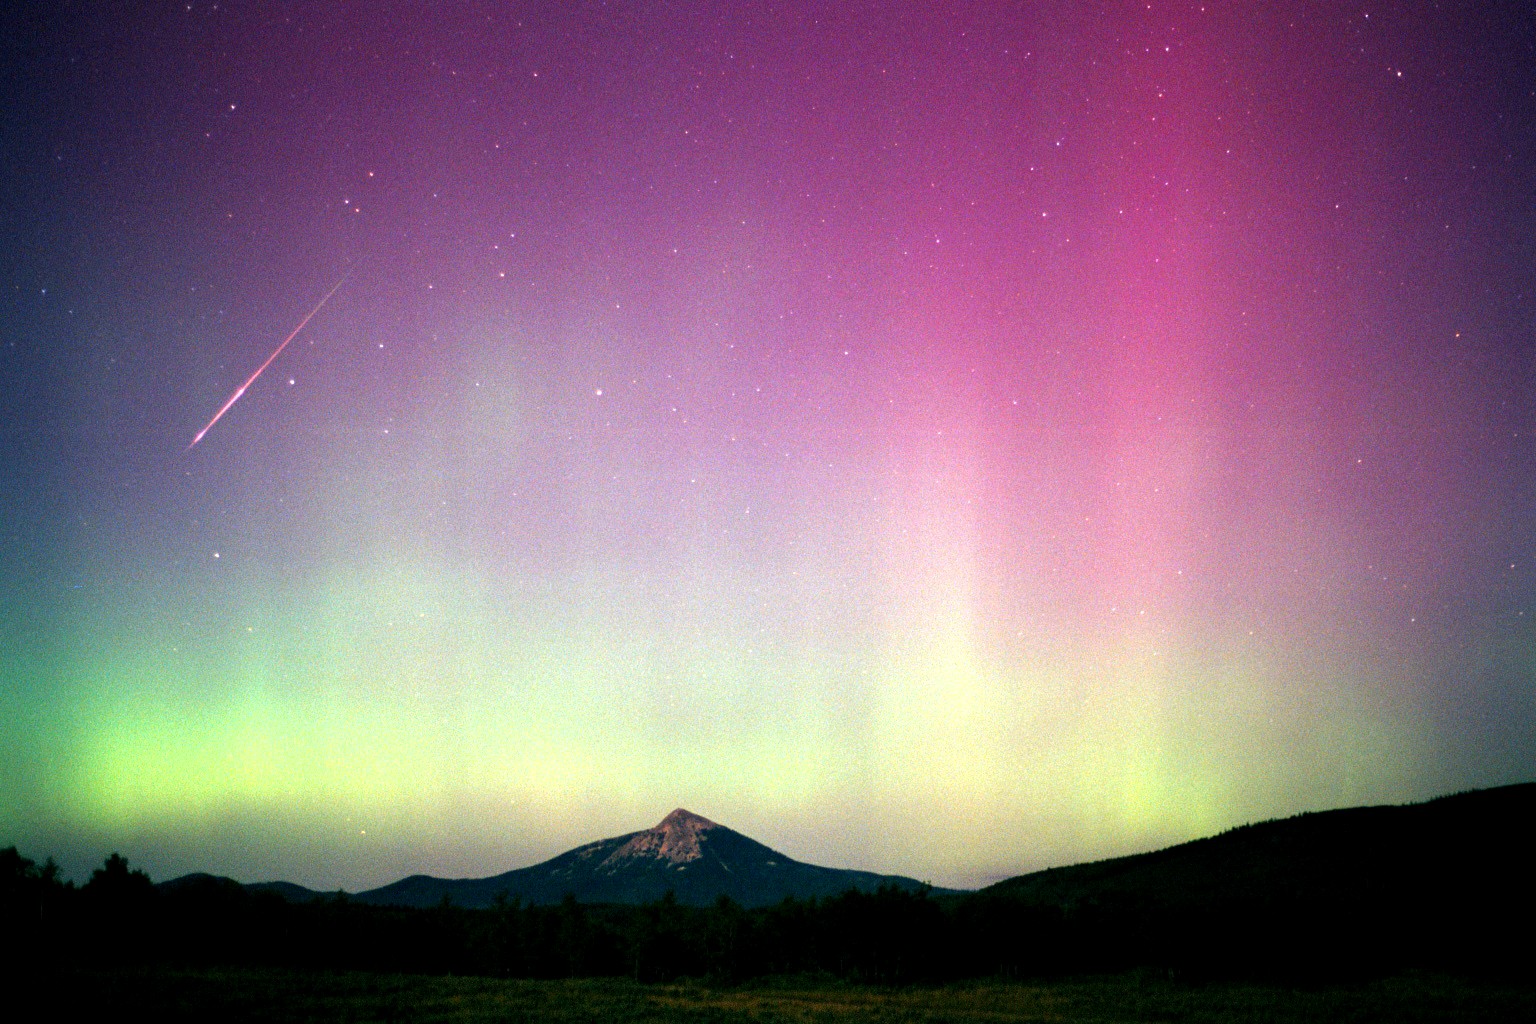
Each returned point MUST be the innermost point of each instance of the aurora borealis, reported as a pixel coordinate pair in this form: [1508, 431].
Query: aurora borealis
[946, 440]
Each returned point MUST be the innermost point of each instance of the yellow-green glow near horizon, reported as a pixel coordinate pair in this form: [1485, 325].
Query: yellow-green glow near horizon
[345, 697]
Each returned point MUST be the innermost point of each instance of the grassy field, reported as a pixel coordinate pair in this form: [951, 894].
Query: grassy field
[282, 996]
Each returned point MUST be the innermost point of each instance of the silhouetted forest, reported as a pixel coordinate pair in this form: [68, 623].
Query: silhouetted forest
[891, 936]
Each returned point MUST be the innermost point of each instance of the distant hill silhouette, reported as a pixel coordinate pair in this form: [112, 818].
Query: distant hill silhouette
[287, 890]
[1442, 885]
[1452, 848]
[201, 881]
[688, 855]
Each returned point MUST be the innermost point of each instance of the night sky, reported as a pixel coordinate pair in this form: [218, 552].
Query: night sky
[945, 439]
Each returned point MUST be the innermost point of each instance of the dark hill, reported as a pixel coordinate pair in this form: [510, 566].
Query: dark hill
[690, 856]
[1460, 841]
[1442, 884]
[287, 890]
[202, 883]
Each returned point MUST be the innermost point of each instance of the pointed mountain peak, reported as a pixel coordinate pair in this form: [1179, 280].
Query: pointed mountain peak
[682, 818]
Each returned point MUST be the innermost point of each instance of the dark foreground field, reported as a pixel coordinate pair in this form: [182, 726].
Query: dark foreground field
[283, 995]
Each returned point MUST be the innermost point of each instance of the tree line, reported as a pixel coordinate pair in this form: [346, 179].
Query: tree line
[889, 936]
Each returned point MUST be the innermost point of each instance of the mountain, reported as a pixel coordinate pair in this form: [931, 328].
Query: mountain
[1437, 854]
[1441, 885]
[287, 890]
[202, 883]
[688, 855]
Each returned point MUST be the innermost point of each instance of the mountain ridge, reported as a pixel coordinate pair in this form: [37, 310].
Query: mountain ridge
[1343, 855]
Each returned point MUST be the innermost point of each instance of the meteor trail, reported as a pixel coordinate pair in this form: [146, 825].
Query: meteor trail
[241, 389]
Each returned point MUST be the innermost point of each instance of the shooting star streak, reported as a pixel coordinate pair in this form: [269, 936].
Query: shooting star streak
[241, 389]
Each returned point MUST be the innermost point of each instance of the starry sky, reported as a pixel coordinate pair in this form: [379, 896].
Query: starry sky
[945, 439]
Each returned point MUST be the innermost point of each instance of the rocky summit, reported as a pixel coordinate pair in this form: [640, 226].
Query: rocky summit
[675, 840]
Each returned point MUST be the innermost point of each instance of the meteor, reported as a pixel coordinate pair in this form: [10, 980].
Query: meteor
[241, 389]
